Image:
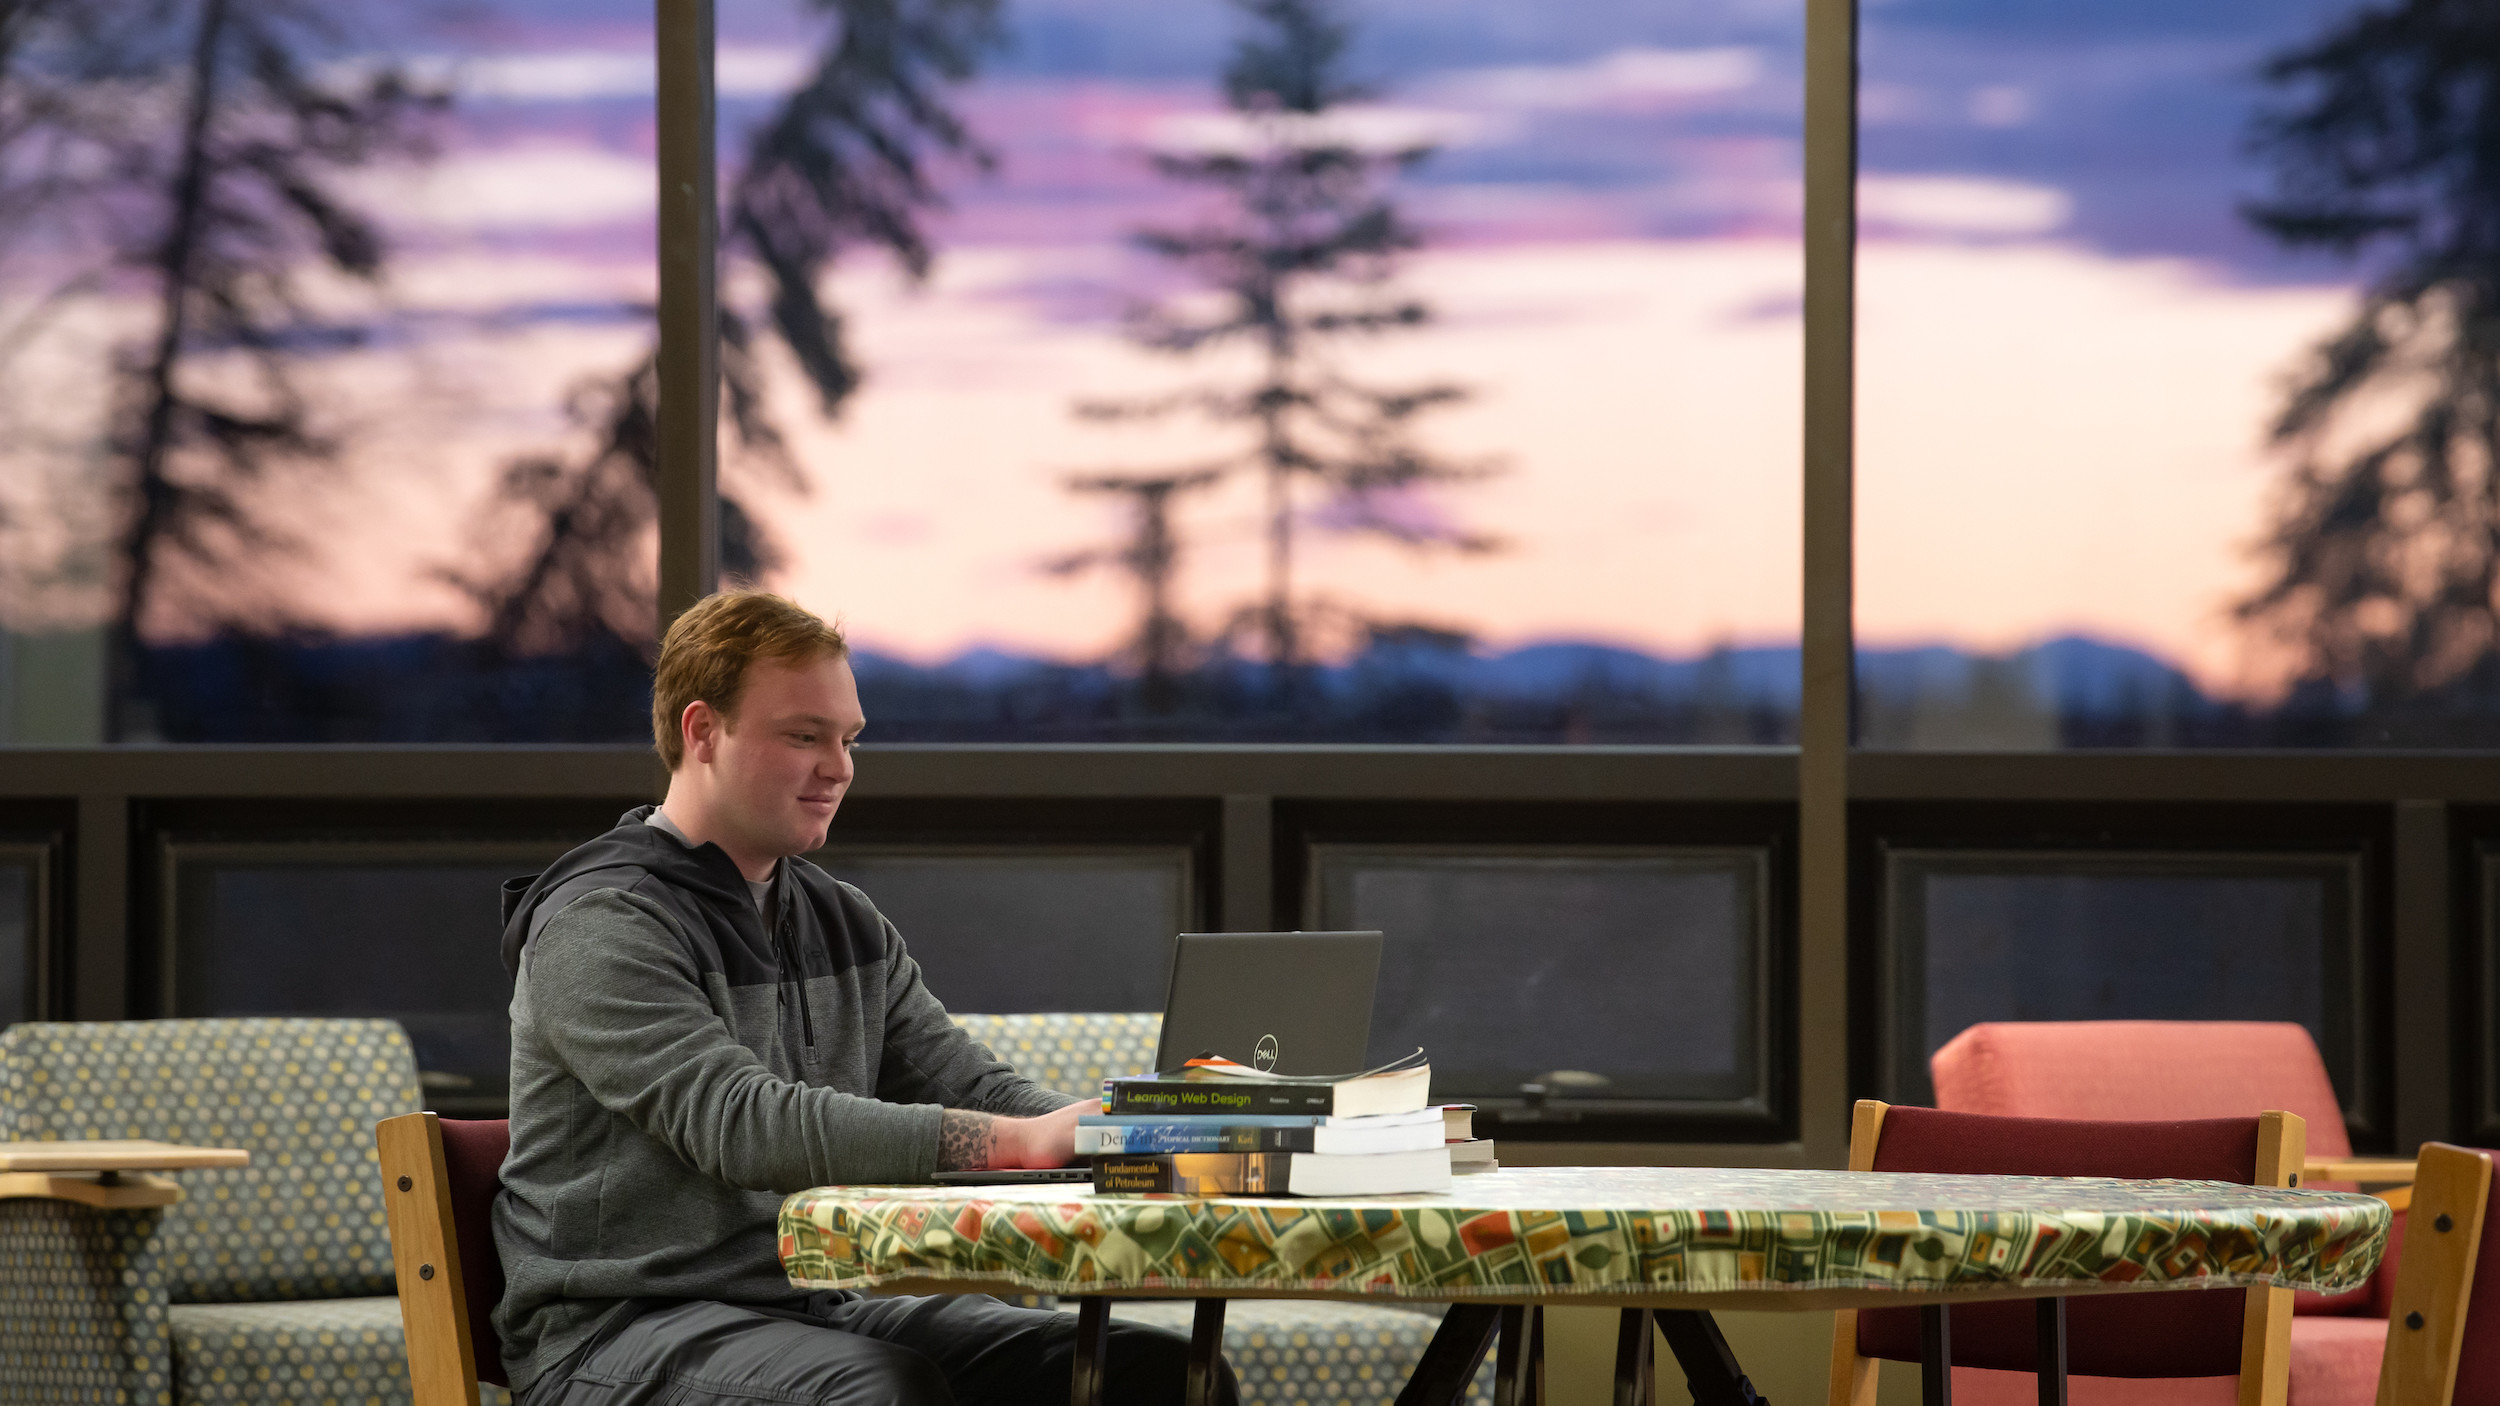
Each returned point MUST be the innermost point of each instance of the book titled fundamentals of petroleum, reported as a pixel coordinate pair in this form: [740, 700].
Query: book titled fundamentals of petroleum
[1276, 1173]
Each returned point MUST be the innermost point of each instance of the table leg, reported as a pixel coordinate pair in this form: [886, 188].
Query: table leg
[1935, 1356]
[1093, 1338]
[2049, 1356]
[1448, 1366]
[1518, 1370]
[1536, 1356]
[1710, 1369]
[1206, 1352]
[1635, 1377]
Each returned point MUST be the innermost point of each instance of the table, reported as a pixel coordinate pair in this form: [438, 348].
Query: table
[107, 1174]
[1664, 1244]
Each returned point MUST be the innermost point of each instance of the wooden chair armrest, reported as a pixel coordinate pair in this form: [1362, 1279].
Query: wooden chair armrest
[2377, 1170]
[2434, 1283]
[425, 1251]
[122, 1192]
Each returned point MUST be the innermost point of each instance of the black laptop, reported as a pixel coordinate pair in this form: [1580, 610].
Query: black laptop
[1284, 1002]
[1290, 1002]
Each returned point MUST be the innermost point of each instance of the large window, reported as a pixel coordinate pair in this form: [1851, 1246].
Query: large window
[1012, 381]
[2114, 489]
[1516, 465]
[352, 447]
[1506, 455]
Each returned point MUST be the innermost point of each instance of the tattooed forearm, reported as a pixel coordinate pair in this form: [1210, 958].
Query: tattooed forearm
[965, 1140]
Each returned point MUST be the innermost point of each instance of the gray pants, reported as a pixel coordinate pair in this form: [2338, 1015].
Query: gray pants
[947, 1350]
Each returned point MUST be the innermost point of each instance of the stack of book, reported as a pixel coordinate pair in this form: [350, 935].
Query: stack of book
[1214, 1127]
[1468, 1152]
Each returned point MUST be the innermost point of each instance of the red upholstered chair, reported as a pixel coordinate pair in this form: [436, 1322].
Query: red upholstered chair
[2236, 1340]
[2139, 1069]
[2443, 1329]
[439, 1182]
[2136, 1069]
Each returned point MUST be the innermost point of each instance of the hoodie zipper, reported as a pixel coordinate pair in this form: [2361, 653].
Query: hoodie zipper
[785, 948]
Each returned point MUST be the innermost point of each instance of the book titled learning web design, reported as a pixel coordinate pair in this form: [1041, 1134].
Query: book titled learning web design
[1209, 1086]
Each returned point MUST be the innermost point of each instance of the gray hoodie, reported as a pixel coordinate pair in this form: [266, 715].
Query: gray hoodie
[681, 1062]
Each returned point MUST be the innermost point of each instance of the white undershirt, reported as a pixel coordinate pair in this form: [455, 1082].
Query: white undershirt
[760, 888]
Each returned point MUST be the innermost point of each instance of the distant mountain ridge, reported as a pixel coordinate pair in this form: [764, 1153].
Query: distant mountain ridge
[1407, 687]
[2071, 673]
[2045, 695]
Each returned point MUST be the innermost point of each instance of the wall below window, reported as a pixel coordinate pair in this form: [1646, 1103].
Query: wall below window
[1627, 916]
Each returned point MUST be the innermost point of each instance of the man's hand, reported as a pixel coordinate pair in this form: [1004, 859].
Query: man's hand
[1048, 1141]
[970, 1141]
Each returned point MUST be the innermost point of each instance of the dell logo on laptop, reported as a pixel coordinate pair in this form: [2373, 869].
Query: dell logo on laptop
[1265, 1055]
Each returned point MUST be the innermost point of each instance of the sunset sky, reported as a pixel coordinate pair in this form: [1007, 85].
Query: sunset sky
[2069, 346]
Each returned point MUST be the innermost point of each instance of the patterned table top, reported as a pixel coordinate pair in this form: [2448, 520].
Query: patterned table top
[1804, 1238]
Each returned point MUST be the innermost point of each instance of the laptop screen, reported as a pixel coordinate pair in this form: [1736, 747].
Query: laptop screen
[1289, 1002]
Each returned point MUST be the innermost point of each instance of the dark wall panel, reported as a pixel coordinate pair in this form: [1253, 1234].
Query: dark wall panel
[409, 932]
[1557, 976]
[1004, 930]
[1980, 935]
[20, 933]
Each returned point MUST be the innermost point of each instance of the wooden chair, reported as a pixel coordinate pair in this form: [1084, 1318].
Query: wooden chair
[2186, 1333]
[2148, 1069]
[439, 1181]
[2443, 1321]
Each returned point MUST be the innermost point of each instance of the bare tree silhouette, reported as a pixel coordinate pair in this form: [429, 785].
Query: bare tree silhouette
[1161, 647]
[192, 148]
[2385, 547]
[1302, 258]
[848, 160]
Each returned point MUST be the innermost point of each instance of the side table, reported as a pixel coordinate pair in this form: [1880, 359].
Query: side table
[109, 1175]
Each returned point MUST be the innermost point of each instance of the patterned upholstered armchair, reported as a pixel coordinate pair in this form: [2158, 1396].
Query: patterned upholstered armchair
[1070, 1053]
[273, 1283]
[265, 1284]
[1281, 1351]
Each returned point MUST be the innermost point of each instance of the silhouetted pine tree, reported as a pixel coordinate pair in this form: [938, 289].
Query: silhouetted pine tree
[1160, 648]
[1302, 257]
[190, 149]
[846, 161]
[2386, 545]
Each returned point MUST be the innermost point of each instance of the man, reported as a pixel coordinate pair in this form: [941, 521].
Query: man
[702, 1023]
